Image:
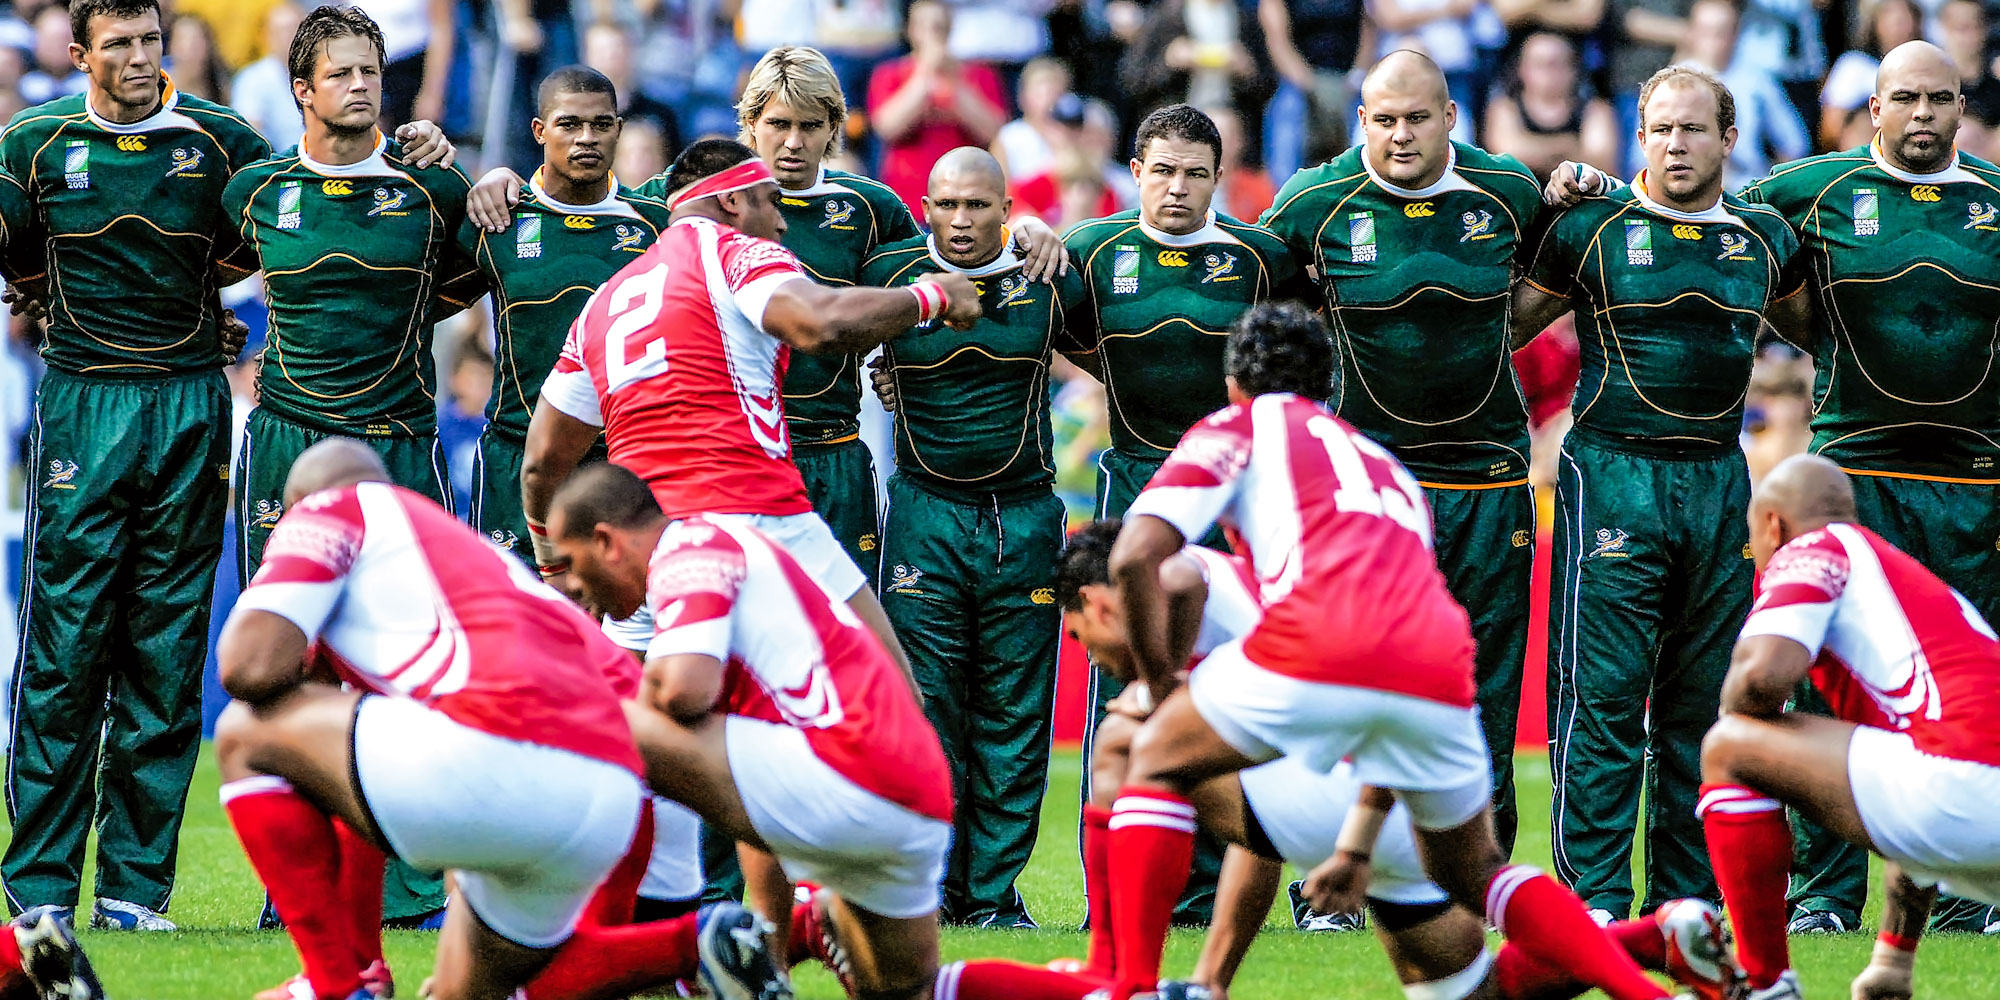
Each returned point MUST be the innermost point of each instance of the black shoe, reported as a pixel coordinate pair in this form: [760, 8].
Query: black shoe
[267, 918]
[736, 960]
[1822, 922]
[1305, 919]
[50, 956]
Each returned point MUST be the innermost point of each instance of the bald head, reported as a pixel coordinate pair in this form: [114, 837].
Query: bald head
[331, 464]
[1913, 59]
[1405, 73]
[967, 206]
[969, 163]
[1916, 107]
[1807, 491]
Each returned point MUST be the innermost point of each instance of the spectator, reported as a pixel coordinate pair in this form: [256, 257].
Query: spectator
[1964, 24]
[1084, 143]
[1768, 128]
[263, 89]
[1445, 30]
[1545, 116]
[196, 65]
[462, 408]
[1780, 41]
[607, 48]
[762, 25]
[1843, 101]
[417, 39]
[238, 25]
[1003, 34]
[1313, 45]
[1576, 20]
[930, 102]
[1193, 51]
[643, 152]
[535, 38]
[1082, 193]
[1243, 190]
[1027, 145]
[1648, 31]
[54, 74]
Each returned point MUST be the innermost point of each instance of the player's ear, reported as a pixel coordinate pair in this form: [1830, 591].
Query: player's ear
[76, 57]
[540, 130]
[1728, 140]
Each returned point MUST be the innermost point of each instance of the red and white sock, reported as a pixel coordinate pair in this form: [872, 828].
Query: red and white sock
[603, 963]
[295, 852]
[1522, 976]
[1549, 923]
[361, 865]
[997, 980]
[1151, 849]
[1097, 890]
[1750, 847]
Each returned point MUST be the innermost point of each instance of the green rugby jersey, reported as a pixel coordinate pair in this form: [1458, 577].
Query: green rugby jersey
[972, 412]
[132, 226]
[541, 271]
[1667, 309]
[1417, 295]
[358, 260]
[1905, 274]
[1160, 310]
[832, 227]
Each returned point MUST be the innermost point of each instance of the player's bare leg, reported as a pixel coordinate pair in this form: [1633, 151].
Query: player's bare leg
[868, 608]
[474, 963]
[1906, 908]
[690, 765]
[1751, 768]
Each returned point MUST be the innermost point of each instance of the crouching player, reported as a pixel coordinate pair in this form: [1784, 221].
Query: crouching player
[1908, 767]
[1284, 811]
[480, 735]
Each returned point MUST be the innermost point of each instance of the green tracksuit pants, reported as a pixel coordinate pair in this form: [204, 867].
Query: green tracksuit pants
[127, 486]
[967, 581]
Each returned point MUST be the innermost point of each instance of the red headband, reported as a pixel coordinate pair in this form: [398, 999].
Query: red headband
[749, 173]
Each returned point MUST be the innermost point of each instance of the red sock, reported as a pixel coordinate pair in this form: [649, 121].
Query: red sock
[1522, 976]
[1750, 846]
[598, 963]
[612, 905]
[13, 981]
[1151, 848]
[998, 980]
[293, 848]
[802, 942]
[1548, 922]
[1097, 889]
[361, 891]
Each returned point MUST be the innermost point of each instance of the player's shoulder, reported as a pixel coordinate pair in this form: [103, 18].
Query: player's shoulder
[44, 119]
[220, 119]
[1808, 177]
[696, 553]
[1984, 169]
[652, 210]
[879, 196]
[1331, 179]
[1500, 174]
[890, 261]
[1251, 234]
[439, 181]
[1767, 221]
[1811, 567]
[262, 172]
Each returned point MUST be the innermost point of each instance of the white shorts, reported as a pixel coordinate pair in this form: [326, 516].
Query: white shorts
[1302, 811]
[1430, 753]
[530, 830]
[1936, 816]
[805, 536]
[824, 828]
[674, 871]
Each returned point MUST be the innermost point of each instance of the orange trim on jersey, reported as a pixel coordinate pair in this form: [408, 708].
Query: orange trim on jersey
[1927, 479]
[1523, 481]
[838, 440]
[1543, 289]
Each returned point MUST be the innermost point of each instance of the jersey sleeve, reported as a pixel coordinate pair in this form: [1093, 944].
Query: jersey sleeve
[1198, 482]
[1288, 215]
[754, 269]
[569, 388]
[897, 222]
[654, 187]
[1799, 590]
[1553, 267]
[21, 258]
[1794, 269]
[1078, 336]
[307, 561]
[691, 587]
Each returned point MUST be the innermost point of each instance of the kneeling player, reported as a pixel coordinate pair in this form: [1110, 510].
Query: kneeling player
[1909, 767]
[1284, 811]
[480, 735]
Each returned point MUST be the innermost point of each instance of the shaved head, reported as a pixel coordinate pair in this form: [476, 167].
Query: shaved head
[1405, 73]
[1912, 57]
[1916, 107]
[1807, 491]
[1406, 118]
[331, 464]
[967, 206]
[969, 163]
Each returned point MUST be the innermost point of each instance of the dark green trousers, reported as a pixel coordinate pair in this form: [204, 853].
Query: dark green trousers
[968, 584]
[496, 494]
[1649, 585]
[1120, 478]
[1952, 529]
[127, 486]
[840, 481]
[1485, 544]
[270, 445]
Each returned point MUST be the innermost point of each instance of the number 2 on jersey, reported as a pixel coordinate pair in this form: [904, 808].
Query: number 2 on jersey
[633, 309]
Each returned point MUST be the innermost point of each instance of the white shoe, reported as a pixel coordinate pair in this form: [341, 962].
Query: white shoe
[119, 915]
[1786, 988]
[1698, 953]
[1603, 917]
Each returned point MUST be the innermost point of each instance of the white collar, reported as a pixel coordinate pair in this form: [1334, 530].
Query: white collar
[375, 164]
[1717, 212]
[1950, 173]
[610, 204]
[1208, 233]
[163, 116]
[1007, 261]
[1447, 181]
[819, 186]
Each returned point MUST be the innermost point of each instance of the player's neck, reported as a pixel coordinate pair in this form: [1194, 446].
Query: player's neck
[569, 192]
[103, 106]
[338, 148]
[818, 174]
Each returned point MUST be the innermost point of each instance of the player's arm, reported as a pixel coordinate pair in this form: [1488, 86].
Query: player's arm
[261, 656]
[556, 444]
[685, 687]
[1147, 542]
[1186, 591]
[1244, 892]
[1534, 309]
[820, 320]
[693, 611]
[490, 203]
[1340, 883]
[1791, 317]
[1763, 672]
[1545, 288]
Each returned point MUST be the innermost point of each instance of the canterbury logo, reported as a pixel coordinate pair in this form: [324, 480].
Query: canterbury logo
[1926, 192]
[1173, 258]
[1687, 232]
[1420, 210]
[1042, 595]
[137, 144]
[577, 222]
[336, 189]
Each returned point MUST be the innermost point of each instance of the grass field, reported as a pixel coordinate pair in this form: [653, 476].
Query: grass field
[218, 954]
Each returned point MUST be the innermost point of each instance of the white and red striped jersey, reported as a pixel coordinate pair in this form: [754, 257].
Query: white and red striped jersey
[1894, 647]
[1231, 610]
[1340, 537]
[795, 655]
[400, 598]
[670, 357]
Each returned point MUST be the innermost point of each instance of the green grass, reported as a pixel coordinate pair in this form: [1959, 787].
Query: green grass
[219, 955]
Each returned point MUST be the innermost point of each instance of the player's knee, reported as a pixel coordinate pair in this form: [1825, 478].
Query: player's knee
[235, 740]
[1148, 760]
[908, 981]
[1723, 746]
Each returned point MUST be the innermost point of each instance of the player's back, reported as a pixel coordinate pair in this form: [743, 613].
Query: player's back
[424, 607]
[1901, 650]
[1341, 540]
[1231, 609]
[686, 382]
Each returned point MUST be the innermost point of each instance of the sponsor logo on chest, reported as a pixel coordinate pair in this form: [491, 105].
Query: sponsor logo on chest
[1735, 246]
[1638, 242]
[630, 238]
[1220, 266]
[389, 201]
[1013, 292]
[1981, 216]
[1478, 226]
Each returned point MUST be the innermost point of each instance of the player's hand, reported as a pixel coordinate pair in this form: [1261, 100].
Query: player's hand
[25, 305]
[1047, 257]
[1881, 982]
[424, 144]
[491, 203]
[1131, 703]
[1571, 182]
[964, 309]
[235, 333]
[1339, 884]
[884, 383]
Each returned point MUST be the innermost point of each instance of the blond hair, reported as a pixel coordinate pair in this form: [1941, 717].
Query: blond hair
[799, 76]
[1725, 103]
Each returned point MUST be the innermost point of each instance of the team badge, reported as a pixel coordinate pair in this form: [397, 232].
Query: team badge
[629, 238]
[1735, 246]
[1867, 212]
[289, 198]
[1012, 291]
[187, 160]
[1981, 216]
[1219, 267]
[1638, 242]
[1477, 226]
[62, 475]
[503, 538]
[838, 212]
[76, 164]
[388, 201]
[1610, 545]
[1125, 270]
[903, 580]
[528, 237]
[1361, 237]
[267, 513]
